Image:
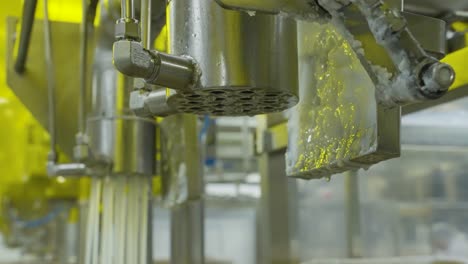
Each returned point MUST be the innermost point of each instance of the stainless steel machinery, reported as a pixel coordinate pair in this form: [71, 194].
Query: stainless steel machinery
[327, 78]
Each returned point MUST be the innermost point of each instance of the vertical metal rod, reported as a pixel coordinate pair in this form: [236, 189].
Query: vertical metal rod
[353, 211]
[127, 9]
[145, 19]
[29, 9]
[149, 237]
[50, 81]
[84, 69]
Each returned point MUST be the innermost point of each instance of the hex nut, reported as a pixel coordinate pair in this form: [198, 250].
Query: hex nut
[137, 103]
[127, 29]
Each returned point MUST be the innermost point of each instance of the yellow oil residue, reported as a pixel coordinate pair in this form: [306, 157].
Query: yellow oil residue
[335, 122]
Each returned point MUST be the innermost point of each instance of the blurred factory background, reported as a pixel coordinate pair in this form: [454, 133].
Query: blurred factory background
[383, 189]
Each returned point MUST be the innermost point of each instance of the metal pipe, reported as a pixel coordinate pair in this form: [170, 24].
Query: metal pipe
[84, 69]
[146, 11]
[158, 68]
[88, 16]
[151, 103]
[128, 9]
[68, 169]
[50, 83]
[29, 10]
[145, 18]
[353, 222]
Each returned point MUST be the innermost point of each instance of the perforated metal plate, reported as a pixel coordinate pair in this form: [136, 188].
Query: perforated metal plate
[237, 101]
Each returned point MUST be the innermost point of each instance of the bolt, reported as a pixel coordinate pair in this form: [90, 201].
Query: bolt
[443, 74]
[437, 80]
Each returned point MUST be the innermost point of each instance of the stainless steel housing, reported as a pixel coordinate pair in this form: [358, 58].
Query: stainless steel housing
[248, 61]
[119, 142]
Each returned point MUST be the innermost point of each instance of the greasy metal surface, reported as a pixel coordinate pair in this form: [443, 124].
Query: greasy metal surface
[248, 62]
[31, 87]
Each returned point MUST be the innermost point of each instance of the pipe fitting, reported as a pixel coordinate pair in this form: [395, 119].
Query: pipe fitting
[150, 103]
[131, 59]
[68, 169]
[175, 72]
[127, 28]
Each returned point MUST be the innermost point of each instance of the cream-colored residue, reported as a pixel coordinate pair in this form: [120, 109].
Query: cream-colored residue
[335, 121]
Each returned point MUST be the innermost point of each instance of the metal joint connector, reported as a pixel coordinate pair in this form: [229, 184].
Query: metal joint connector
[175, 72]
[68, 169]
[150, 103]
[131, 59]
[128, 29]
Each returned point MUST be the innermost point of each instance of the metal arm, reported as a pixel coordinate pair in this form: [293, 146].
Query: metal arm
[419, 76]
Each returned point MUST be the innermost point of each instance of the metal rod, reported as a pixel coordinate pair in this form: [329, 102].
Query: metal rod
[146, 10]
[353, 211]
[84, 69]
[50, 81]
[29, 10]
[145, 18]
[127, 9]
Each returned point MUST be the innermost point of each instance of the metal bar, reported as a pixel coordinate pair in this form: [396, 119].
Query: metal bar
[29, 9]
[353, 229]
[146, 10]
[84, 69]
[50, 82]
[146, 43]
[150, 216]
[128, 9]
[67, 169]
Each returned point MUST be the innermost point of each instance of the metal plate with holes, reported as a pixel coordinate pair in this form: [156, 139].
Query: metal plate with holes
[248, 61]
[233, 101]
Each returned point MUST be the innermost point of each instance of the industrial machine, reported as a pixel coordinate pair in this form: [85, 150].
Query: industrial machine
[150, 103]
